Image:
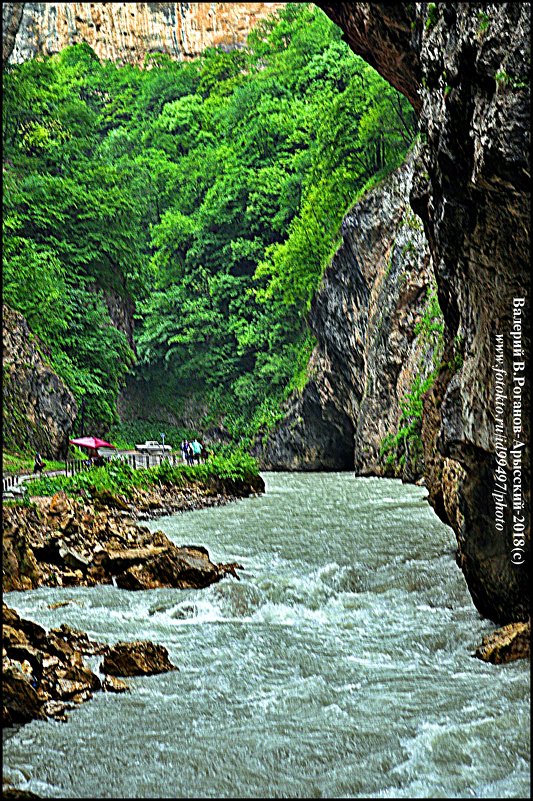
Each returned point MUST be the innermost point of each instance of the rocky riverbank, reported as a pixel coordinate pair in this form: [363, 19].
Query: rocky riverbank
[63, 541]
[87, 540]
[44, 674]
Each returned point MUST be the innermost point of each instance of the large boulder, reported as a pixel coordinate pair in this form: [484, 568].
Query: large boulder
[43, 673]
[140, 658]
[169, 567]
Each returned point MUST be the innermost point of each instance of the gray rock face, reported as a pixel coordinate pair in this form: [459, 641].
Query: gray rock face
[368, 354]
[11, 19]
[465, 67]
[38, 410]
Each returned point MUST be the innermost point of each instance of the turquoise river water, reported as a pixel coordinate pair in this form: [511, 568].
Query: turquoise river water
[339, 666]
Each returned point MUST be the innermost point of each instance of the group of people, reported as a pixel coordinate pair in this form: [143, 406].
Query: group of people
[193, 452]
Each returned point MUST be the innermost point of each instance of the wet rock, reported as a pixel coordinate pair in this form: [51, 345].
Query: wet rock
[139, 658]
[72, 681]
[35, 634]
[41, 672]
[94, 546]
[118, 560]
[230, 569]
[111, 684]
[182, 568]
[20, 702]
[58, 709]
[79, 640]
[506, 644]
[44, 674]
[23, 652]
[15, 792]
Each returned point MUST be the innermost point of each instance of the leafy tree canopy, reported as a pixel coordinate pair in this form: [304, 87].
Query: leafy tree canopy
[207, 194]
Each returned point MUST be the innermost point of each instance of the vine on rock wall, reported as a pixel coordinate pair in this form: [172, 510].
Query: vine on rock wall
[403, 450]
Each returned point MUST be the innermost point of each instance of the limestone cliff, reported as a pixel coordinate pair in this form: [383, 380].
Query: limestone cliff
[38, 409]
[128, 32]
[368, 351]
[465, 67]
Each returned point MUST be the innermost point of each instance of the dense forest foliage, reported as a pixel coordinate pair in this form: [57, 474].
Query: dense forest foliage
[207, 194]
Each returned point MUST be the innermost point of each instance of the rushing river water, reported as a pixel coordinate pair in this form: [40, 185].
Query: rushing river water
[338, 667]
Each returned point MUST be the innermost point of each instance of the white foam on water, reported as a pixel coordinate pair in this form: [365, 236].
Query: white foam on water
[339, 666]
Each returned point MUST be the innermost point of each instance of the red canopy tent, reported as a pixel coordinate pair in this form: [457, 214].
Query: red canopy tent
[91, 443]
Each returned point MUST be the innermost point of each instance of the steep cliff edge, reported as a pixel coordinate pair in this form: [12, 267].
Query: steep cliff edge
[128, 32]
[465, 67]
[38, 409]
[369, 352]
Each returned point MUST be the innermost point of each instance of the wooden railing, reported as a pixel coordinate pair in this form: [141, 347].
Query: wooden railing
[73, 466]
[135, 460]
[9, 482]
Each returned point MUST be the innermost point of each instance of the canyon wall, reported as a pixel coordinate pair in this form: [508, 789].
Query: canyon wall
[38, 409]
[128, 32]
[369, 353]
[465, 67]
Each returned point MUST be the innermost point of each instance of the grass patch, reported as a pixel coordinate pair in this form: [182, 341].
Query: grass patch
[119, 478]
[16, 463]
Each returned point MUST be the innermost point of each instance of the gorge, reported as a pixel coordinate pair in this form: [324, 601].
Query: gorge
[465, 71]
[378, 281]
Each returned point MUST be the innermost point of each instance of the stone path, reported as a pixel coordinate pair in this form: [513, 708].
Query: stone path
[12, 485]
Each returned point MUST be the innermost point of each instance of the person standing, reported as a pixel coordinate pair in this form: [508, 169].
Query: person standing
[39, 464]
[184, 448]
[197, 450]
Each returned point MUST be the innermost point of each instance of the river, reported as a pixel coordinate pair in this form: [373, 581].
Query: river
[338, 667]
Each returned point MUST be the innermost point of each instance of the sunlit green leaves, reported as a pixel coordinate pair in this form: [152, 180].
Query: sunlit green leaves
[207, 195]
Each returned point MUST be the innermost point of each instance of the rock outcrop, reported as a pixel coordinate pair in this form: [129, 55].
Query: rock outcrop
[465, 68]
[506, 644]
[369, 353]
[139, 658]
[128, 32]
[44, 674]
[38, 409]
[63, 541]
